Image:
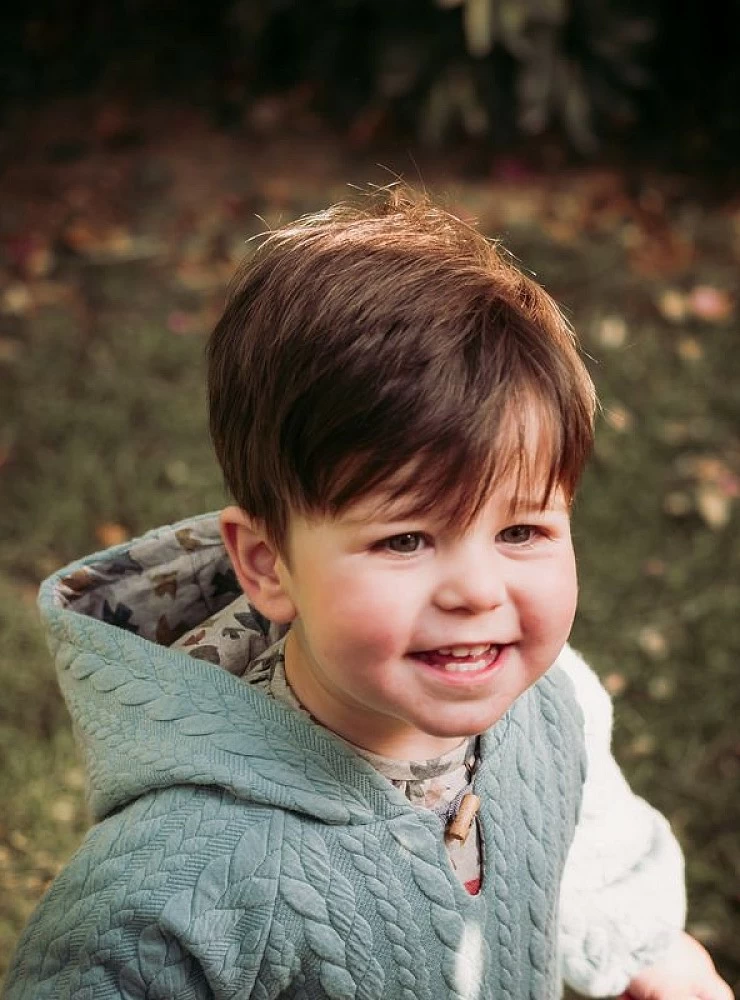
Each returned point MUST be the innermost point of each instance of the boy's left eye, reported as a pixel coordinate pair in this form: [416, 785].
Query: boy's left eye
[405, 544]
[518, 534]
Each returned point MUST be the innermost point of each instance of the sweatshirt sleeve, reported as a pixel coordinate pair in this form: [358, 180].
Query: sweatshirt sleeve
[623, 897]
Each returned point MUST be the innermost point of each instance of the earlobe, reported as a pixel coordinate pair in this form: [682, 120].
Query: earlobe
[256, 563]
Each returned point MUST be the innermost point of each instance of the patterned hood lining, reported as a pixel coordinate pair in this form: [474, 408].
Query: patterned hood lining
[161, 585]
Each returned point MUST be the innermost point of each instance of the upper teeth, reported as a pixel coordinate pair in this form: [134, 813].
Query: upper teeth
[464, 650]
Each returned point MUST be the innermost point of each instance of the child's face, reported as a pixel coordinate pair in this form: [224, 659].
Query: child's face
[381, 603]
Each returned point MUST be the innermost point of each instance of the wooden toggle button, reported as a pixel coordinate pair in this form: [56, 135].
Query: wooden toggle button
[459, 828]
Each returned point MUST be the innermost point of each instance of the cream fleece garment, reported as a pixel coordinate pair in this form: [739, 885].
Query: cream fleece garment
[623, 897]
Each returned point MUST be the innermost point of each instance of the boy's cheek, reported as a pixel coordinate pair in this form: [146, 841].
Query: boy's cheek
[379, 613]
[554, 614]
[369, 639]
[552, 599]
[367, 634]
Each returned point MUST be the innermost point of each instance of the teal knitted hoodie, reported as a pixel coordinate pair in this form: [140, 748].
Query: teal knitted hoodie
[240, 850]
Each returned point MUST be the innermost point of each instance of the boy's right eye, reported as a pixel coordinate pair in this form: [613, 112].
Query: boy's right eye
[405, 544]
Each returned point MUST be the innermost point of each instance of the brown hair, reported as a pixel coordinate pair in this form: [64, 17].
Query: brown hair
[389, 344]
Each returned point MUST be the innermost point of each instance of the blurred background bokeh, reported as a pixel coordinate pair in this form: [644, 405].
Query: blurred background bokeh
[142, 142]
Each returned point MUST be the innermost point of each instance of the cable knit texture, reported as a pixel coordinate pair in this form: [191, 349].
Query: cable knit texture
[241, 851]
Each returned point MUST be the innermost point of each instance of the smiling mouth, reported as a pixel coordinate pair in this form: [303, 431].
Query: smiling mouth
[460, 659]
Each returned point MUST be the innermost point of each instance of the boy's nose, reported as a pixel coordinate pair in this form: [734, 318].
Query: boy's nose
[474, 584]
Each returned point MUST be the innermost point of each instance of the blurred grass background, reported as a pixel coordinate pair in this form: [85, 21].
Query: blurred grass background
[120, 226]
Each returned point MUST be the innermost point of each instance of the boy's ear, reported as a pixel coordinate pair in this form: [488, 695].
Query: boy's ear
[258, 567]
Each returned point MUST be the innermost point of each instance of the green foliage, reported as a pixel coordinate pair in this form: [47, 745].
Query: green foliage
[575, 63]
[449, 68]
[440, 69]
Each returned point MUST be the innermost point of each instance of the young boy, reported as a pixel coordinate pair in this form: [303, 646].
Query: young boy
[347, 752]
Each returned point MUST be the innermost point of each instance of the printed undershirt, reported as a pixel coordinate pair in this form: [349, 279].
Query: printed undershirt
[437, 784]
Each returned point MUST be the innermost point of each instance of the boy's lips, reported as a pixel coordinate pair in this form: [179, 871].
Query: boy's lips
[461, 659]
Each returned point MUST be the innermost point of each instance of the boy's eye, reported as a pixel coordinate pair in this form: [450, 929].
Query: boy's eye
[518, 534]
[405, 544]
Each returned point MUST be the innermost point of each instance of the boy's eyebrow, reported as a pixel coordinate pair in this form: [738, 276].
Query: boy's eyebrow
[390, 510]
[554, 505]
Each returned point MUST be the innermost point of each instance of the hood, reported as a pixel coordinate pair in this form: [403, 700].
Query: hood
[148, 716]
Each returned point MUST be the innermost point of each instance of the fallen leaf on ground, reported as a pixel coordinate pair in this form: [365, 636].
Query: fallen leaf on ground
[79, 236]
[713, 505]
[652, 641]
[34, 885]
[16, 299]
[675, 431]
[672, 305]
[709, 303]
[703, 932]
[18, 840]
[709, 469]
[109, 244]
[677, 504]
[203, 277]
[619, 418]
[615, 684]
[74, 777]
[63, 810]
[612, 331]
[177, 472]
[689, 349]
[110, 533]
[182, 322]
[654, 567]
[642, 746]
[30, 255]
[661, 253]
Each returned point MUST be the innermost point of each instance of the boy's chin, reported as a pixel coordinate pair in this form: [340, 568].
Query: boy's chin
[459, 728]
